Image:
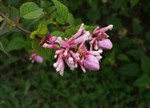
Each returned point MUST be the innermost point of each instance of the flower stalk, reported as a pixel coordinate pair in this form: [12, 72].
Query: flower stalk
[13, 24]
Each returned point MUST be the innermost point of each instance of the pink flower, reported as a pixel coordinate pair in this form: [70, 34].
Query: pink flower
[73, 52]
[64, 57]
[36, 58]
[59, 65]
[90, 62]
[49, 42]
[102, 30]
[89, 59]
[66, 47]
[80, 36]
[99, 39]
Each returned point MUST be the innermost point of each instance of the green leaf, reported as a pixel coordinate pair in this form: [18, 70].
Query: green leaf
[60, 20]
[41, 31]
[130, 69]
[11, 60]
[123, 57]
[62, 11]
[12, 2]
[116, 22]
[69, 32]
[15, 14]
[16, 44]
[90, 28]
[133, 2]
[119, 4]
[143, 81]
[1, 19]
[145, 62]
[70, 19]
[93, 14]
[44, 52]
[30, 10]
[93, 4]
[77, 21]
[137, 26]
[57, 33]
[148, 36]
[3, 49]
[63, 16]
[135, 53]
[4, 27]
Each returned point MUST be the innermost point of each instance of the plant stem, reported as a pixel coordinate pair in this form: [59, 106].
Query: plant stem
[16, 25]
[22, 29]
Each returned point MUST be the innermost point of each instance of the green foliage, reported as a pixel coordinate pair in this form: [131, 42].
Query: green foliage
[3, 49]
[57, 33]
[133, 2]
[30, 10]
[45, 53]
[41, 31]
[1, 19]
[69, 32]
[145, 61]
[130, 69]
[143, 81]
[148, 36]
[62, 12]
[16, 44]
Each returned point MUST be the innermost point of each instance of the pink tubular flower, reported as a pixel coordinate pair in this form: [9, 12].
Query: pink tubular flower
[36, 58]
[49, 42]
[59, 65]
[74, 53]
[80, 36]
[89, 59]
[99, 39]
[65, 46]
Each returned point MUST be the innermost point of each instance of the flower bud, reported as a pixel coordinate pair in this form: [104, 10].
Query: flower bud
[36, 58]
[91, 63]
[105, 44]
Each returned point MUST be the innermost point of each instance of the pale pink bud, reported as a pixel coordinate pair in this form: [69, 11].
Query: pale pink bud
[48, 39]
[105, 44]
[91, 63]
[36, 58]
[52, 39]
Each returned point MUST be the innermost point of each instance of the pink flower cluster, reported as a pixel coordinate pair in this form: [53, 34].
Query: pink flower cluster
[74, 51]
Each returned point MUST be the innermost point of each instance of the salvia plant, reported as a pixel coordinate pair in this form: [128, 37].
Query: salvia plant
[81, 48]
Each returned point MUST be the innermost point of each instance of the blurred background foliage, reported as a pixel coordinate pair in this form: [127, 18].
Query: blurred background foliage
[122, 82]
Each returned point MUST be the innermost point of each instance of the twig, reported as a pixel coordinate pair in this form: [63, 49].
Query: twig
[16, 25]
[22, 29]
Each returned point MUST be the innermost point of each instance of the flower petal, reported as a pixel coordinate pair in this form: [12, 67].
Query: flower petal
[91, 63]
[105, 44]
